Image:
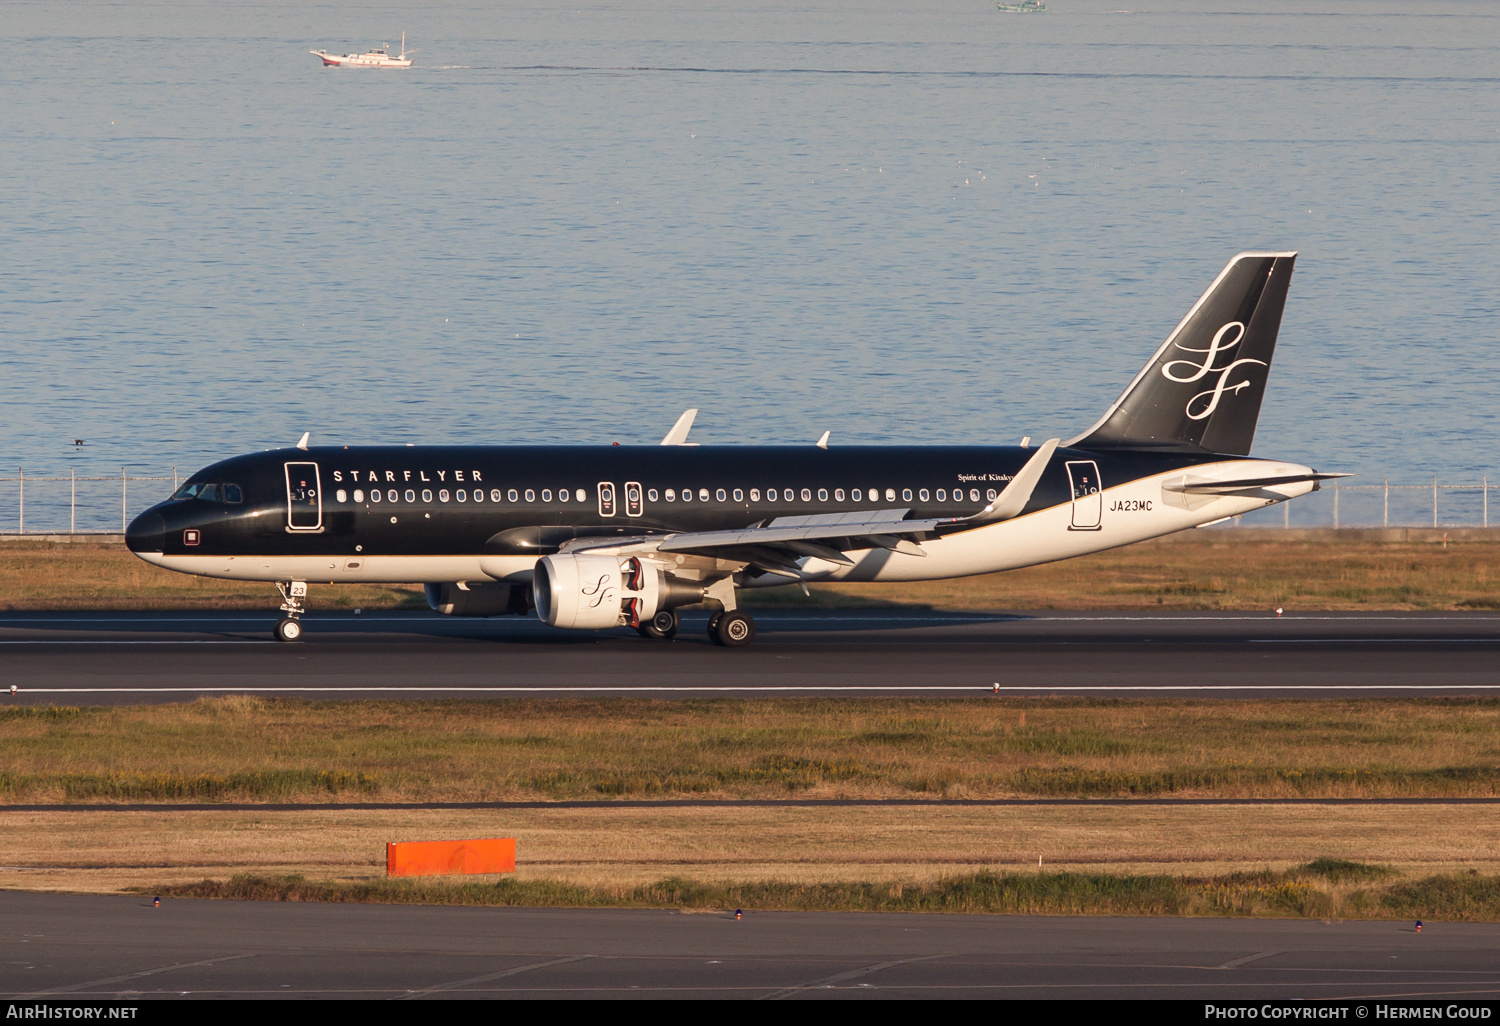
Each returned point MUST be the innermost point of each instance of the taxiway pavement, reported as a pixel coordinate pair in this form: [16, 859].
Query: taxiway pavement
[103, 658]
[85, 946]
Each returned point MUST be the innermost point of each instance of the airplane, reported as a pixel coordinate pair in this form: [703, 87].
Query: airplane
[605, 536]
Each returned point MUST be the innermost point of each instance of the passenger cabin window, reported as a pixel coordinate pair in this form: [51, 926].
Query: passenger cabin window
[671, 495]
[822, 494]
[922, 495]
[906, 495]
[462, 495]
[890, 495]
[531, 495]
[990, 494]
[855, 495]
[739, 495]
[546, 494]
[973, 494]
[442, 495]
[702, 494]
[755, 495]
[942, 495]
[807, 495]
[721, 495]
[359, 495]
[687, 495]
[341, 495]
[510, 495]
[838, 494]
[426, 495]
[651, 495]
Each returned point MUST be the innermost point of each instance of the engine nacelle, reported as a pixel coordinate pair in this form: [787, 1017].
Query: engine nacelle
[476, 598]
[588, 592]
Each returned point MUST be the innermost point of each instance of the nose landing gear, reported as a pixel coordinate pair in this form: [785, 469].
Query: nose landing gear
[289, 627]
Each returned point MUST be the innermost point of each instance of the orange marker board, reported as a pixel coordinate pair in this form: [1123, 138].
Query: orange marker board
[450, 858]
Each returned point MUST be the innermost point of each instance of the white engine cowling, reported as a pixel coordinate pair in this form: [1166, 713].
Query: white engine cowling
[591, 592]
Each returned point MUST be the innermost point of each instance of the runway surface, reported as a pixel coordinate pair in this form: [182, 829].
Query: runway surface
[102, 658]
[81, 946]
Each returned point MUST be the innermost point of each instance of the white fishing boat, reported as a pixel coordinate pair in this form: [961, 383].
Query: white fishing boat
[1024, 7]
[379, 57]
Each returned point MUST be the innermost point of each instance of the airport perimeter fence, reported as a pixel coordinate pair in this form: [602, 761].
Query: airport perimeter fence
[73, 505]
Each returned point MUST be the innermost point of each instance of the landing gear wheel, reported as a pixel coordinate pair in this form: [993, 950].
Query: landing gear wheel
[734, 630]
[713, 626]
[288, 629]
[662, 626]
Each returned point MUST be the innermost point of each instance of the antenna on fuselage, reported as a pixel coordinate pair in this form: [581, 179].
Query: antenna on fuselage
[678, 434]
[302, 442]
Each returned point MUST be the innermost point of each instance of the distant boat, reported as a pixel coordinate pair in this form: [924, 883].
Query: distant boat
[1024, 7]
[375, 58]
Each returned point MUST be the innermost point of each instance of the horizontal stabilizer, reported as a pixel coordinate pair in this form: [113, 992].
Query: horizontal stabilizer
[1188, 486]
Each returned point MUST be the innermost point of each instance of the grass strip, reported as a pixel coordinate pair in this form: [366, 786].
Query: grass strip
[260, 749]
[1191, 570]
[1321, 889]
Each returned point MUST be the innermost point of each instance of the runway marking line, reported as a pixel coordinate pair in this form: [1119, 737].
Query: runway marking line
[489, 977]
[731, 688]
[853, 974]
[867, 618]
[74, 987]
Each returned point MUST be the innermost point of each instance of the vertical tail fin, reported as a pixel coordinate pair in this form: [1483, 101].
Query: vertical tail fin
[1204, 386]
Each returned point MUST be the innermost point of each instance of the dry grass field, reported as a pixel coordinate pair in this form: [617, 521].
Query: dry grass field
[1438, 860]
[245, 747]
[1100, 859]
[1193, 570]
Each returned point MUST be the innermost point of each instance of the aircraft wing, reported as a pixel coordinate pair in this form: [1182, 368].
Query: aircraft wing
[776, 545]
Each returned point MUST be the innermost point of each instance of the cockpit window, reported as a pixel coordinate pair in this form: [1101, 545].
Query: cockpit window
[209, 491]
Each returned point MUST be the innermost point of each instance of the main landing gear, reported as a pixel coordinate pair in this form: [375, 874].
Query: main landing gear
[664, 625]
[289, 627]
[732, 629]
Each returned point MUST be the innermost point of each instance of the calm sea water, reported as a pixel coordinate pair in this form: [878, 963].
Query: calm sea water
[898, 222]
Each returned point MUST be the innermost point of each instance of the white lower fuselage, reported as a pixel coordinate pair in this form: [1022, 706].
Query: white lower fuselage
[1134, 511]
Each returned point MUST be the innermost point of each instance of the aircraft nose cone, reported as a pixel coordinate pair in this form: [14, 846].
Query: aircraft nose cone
[146, 533]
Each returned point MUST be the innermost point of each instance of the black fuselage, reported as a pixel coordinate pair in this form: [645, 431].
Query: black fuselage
[529, 500]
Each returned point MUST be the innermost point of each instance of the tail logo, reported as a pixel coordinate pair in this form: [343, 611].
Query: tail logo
[1202, 405]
